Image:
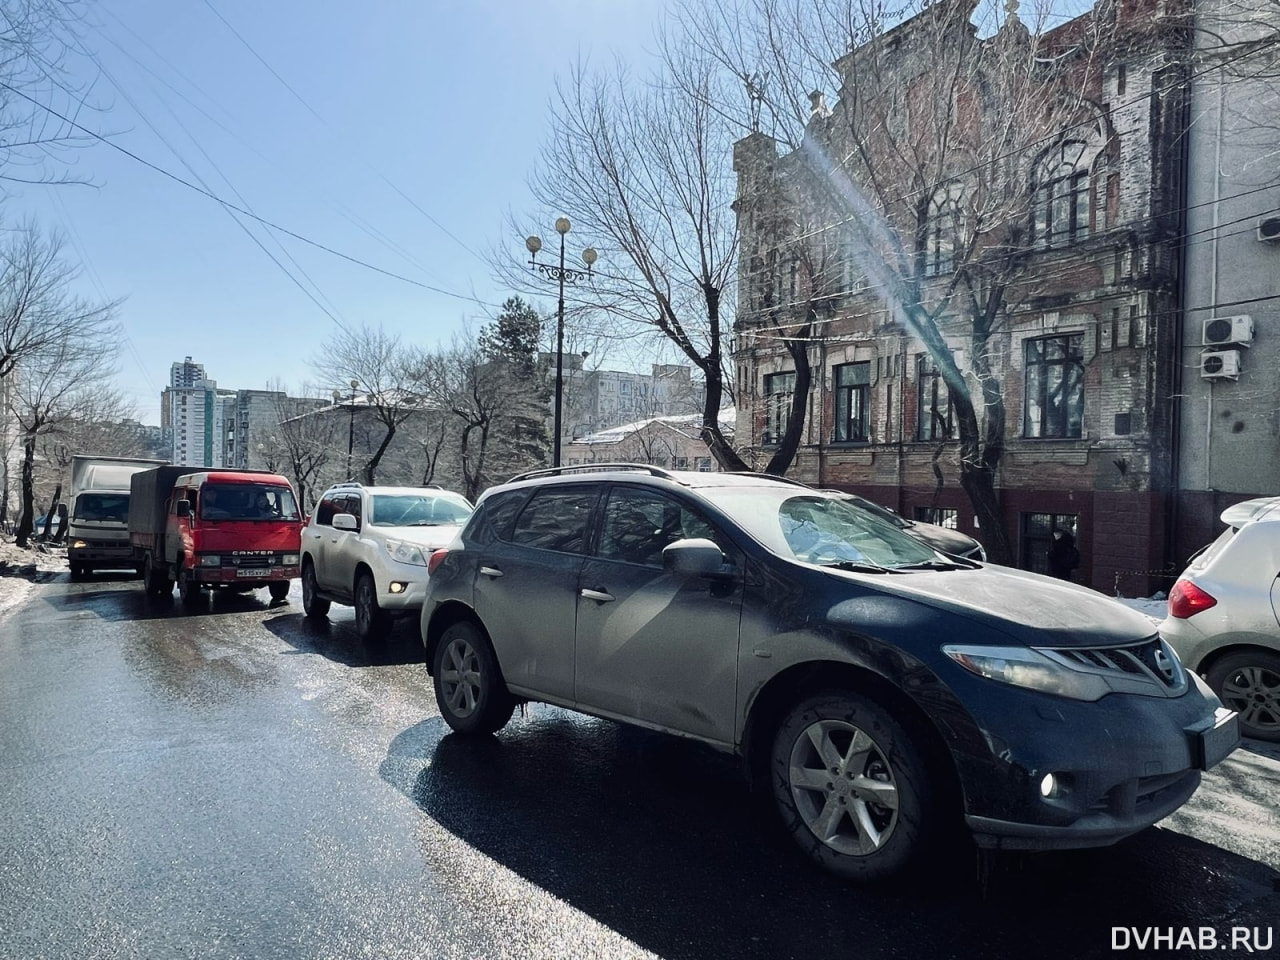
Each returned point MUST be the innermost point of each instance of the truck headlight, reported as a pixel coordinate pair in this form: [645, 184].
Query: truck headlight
[79, 545]
[1024, 667]
[290, 560]
[210, 560]
[406, 552]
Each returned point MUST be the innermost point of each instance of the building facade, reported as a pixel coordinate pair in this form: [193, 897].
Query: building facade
[596, 400]
[1046, 297]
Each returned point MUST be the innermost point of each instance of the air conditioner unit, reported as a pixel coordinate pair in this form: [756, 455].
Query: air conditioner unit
[1220, 365]
[1219, 331]
[1269, 229]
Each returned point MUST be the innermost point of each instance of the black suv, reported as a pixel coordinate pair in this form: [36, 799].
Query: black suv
[881, 691]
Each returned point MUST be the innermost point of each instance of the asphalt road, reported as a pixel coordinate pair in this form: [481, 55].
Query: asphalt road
[238, 782]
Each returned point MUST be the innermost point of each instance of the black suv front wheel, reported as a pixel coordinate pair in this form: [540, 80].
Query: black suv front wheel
[470, 691]
[852, 788]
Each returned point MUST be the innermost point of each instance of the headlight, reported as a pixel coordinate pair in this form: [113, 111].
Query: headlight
[1023, 667]
[210, 560]
[79, 545]
[290, 560]
[406, 552]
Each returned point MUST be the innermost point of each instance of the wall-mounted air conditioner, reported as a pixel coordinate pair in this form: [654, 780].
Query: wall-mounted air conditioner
[1219, 331]
[1269, 229]
[1220, 365]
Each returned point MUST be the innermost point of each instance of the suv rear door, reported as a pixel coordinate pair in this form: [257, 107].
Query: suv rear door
[526, 587]
[653, 646]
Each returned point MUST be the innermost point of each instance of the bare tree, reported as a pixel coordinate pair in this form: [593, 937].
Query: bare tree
[47, 396]
[388, 374]
[639, 167]
[306, 439]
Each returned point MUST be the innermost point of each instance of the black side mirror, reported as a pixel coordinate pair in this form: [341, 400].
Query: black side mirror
[695, 557]
[183, 508]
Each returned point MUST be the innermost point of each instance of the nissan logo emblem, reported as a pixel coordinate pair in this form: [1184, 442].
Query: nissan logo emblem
[1165, 664]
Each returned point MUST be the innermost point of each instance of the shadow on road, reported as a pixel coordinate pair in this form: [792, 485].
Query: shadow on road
[130, 602]
[658, 839]
[338, 642]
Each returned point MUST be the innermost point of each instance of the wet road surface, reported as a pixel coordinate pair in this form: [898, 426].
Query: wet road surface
[240, 782]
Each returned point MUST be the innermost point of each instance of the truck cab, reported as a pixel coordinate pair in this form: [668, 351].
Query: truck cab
[98, 519]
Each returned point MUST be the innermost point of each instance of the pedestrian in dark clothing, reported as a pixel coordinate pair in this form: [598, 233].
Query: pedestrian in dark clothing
[1063, 555]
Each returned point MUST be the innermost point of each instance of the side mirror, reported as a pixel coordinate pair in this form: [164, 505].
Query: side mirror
[183, 508]
[345, 521]
[692, 558]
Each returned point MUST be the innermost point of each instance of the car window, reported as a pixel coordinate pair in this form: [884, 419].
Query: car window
[494, 517]
[325, 511]
[639, 523]
[556, 518]
[1208, 554]
[416, 510]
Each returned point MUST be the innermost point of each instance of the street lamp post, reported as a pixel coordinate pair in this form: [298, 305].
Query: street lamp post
[351, 423]
[560, 274]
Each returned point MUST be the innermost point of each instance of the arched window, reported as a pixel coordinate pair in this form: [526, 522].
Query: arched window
[1060, 201]
[943, 230]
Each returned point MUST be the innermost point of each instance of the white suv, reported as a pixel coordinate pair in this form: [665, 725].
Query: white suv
[368, 547]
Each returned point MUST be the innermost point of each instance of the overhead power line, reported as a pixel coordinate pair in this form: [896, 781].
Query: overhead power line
[241, 210]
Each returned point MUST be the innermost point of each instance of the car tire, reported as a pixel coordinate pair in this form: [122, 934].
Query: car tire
[154, 582]
[470, 691]
[188, 590]
[372, 622]
[313, 605]
[852, 787]
[1248, 682]
[279, 589]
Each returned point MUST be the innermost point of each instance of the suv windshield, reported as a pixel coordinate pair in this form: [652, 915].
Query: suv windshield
[818, 528]
[247, 501]
[417, 510]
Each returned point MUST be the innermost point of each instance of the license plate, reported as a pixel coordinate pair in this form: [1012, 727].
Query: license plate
[254, 572]
[1213, 743]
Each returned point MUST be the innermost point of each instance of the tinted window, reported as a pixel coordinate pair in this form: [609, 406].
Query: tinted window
[325, 511]
[247, 501]
[638, 523]
[495, 516]
[556, 519]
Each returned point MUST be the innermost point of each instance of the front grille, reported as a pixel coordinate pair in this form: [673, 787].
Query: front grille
[1149, 661]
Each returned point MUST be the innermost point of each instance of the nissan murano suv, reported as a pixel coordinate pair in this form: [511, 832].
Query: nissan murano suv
[880, 692]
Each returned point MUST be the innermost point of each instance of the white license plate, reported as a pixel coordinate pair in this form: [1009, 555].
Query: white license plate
[254, 572]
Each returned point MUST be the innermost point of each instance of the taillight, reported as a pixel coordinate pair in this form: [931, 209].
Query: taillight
[436, 558]
[1186, 600]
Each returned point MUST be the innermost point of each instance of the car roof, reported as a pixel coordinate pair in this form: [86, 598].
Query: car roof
[410, 491]
[645, 473]
[1258, 510]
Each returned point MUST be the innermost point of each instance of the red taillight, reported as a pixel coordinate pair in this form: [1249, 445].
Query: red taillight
[436, 558]
[1186, 600]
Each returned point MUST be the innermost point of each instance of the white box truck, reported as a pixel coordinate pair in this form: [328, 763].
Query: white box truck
[98, 529]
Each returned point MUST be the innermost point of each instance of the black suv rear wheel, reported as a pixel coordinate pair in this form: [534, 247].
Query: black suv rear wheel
[852, 787]
[470, 691]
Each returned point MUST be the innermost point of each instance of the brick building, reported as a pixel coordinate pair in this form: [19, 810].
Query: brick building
[1065, 340]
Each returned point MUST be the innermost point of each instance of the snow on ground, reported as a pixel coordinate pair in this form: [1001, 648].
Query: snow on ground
[20, 569]
[1154, 607]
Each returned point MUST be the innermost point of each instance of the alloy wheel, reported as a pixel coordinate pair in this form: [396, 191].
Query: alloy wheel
[461, 677]
[843, 787]
[1254, 693]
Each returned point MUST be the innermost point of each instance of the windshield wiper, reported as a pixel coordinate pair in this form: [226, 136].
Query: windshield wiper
[854, 566]
[935, 565]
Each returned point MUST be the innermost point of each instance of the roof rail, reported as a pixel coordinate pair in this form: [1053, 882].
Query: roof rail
[772, 476]
[595, 468]
[347, 483]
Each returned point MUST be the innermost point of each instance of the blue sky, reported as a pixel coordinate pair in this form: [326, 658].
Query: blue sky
[446, 101]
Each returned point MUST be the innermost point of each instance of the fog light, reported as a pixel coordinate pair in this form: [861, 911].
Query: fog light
[398, 587]
[1049, 786]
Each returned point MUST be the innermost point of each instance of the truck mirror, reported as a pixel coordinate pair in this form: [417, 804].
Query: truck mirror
[184, 508]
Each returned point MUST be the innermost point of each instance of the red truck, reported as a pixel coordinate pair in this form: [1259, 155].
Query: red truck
[232, 530]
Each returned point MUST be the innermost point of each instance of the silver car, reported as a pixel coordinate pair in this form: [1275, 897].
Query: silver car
[1224, 615]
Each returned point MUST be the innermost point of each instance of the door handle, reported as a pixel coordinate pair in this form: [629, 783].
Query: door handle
[597, 595]
[491, 571]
